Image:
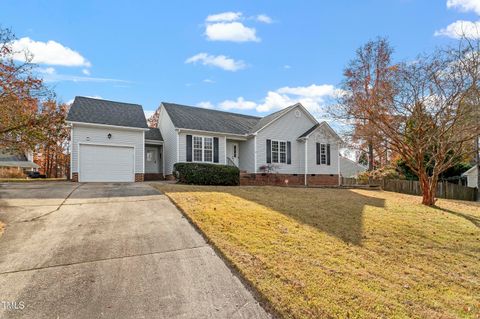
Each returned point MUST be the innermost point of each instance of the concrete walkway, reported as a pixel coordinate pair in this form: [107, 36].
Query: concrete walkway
[109, 251]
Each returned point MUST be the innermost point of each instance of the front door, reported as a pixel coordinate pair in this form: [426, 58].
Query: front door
[233, 153]
[152, 160]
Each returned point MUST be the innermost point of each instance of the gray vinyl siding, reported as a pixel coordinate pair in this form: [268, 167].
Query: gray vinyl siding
[98, 135]
[183, 145]
[247, 155]
[287, 128]
[169, 135]
[313, 168]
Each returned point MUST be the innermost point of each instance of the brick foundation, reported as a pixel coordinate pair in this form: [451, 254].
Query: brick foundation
[153, 176]
[139, 177]
[322, 180]
[74, 177]
[288, 179]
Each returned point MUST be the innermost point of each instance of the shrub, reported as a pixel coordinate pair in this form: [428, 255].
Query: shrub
[206, 174]
[386, 172]
[11, 172]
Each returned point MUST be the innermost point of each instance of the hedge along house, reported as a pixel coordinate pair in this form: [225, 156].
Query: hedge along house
[290, 142]
[111, 142]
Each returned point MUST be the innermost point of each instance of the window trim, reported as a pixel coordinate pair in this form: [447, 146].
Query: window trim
[203, 149]
[278, 152]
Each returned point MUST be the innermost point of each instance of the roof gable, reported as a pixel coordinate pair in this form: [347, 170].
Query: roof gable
[97, 111]
[324, 129]
[269, 119]
[196, 118]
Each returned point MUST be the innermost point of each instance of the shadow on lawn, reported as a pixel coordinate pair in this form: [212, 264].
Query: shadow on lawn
[474, 220]
[338, 212]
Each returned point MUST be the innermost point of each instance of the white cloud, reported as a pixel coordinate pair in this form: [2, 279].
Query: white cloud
[208, 81]
[50, 52]
[314, 97]
[219, 61]
[86, 71]
[309, 91]
[286, 66]
[465, 5]
[264, 18]
[230, 31]
[239, 104]
[224, 16]
[206, 105]
[48, 70]
[461, 28]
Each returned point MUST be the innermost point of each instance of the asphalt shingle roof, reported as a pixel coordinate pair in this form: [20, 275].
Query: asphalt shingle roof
[310, 130]
[153, 134]
[196, 118]
[90, 110]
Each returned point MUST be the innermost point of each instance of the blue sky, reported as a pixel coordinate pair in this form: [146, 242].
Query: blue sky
[250, 57]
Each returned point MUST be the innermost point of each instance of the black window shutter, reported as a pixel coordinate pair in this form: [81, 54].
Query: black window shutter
[269, 151]
[318, 153]
[289, 153]
[189, 148]
[328, 154]
[215, 149]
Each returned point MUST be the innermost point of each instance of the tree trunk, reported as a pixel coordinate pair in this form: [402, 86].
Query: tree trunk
[429, 189]
[370, 156]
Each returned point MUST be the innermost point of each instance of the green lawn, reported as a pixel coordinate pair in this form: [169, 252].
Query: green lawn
[337, 253]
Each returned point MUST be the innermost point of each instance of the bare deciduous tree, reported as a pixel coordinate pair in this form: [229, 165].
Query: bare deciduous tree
[432, 116]
[367, 83]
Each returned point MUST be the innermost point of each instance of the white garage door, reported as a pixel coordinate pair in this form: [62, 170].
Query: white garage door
[99, 163]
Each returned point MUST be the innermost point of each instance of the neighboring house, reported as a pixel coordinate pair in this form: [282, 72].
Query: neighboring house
[349, 168]
[111, 142]
[472, 176]
[20, 161]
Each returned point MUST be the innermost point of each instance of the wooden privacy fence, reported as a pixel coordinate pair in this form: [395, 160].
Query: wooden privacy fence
[444, 189]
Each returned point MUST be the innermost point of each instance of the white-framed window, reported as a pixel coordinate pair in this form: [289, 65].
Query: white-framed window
[197, 149]
[202, 149]
[208, 149]
[323, 154]
[279, 152]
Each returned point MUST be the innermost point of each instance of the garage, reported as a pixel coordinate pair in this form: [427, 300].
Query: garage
[106, 163]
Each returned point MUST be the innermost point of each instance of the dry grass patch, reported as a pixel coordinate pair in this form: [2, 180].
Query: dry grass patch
[2, 227]
[333, 253]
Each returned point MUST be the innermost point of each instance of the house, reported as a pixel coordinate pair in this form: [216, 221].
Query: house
[349, 168]
[472, 176]
[111, 142]
[20, 161]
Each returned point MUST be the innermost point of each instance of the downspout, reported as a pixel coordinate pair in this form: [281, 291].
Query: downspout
[255, 153]
[225, 148]
[306, 161]
[338, 164]
[71, 153]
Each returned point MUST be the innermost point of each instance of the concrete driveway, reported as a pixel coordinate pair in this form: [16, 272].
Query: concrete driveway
[109, 251]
